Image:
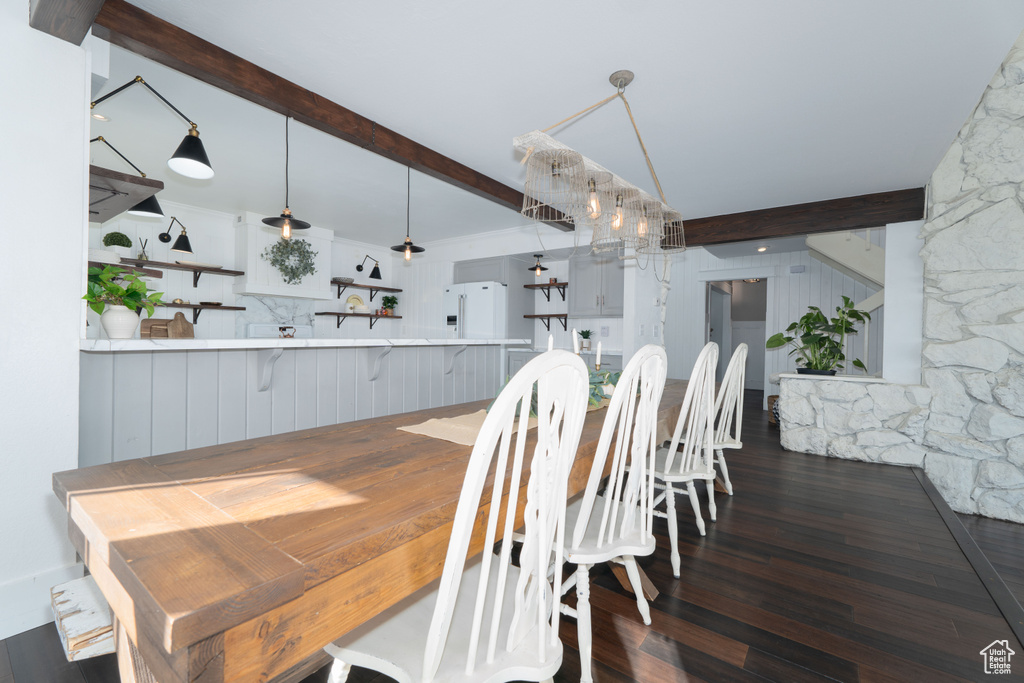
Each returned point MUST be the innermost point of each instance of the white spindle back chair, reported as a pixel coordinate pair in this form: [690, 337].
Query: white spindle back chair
[729, 411]
[486, 620]
[691, 456]
[617, 526]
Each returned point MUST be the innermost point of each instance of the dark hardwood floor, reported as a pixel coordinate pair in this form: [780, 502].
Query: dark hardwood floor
[817, 569]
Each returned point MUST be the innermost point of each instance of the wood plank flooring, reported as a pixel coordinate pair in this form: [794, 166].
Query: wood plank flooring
[817, 569]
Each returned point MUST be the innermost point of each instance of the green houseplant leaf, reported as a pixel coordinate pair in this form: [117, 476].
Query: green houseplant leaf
[818, 340]
[116, 286]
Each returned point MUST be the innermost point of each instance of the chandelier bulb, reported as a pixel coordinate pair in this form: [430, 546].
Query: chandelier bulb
[617, 220]
[594, 204]
[641, 226]
[555, 169]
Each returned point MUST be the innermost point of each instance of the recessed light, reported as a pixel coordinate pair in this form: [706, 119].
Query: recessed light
[100, 117]
[762, 248]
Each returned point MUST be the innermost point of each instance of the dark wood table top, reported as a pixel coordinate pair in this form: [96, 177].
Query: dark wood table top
[239, 561]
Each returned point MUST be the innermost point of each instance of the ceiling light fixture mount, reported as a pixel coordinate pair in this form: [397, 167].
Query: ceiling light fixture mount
[189, 159]
[407, 247]
[286, 222]
[567, 191]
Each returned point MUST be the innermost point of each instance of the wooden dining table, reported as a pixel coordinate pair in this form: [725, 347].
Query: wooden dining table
[239, 562]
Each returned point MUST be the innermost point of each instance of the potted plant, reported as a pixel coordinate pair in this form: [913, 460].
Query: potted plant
[585, 336]
[818, 340]
[117, 294]
[389, 302]
[119, 242]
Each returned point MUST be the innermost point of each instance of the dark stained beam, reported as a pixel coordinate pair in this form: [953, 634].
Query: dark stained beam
[848, 213]
[66, 19]
[149, 36]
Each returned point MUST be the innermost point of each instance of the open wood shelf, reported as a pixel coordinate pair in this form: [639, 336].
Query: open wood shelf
[546, 319]
[342, 286]
[197, 308]
[195, 270]
[373, 317]
[148, 272]
[546, 288]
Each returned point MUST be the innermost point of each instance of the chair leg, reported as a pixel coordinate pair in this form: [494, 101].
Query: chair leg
[712, 508]
[673, 527]
[339, 672]
[629, 562]
[724, 469]
[583, 633]
[690, 489]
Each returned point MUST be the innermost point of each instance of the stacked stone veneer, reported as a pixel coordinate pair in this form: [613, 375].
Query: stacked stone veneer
[966, 424]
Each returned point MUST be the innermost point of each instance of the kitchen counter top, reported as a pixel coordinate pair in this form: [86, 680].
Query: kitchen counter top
[108, 346]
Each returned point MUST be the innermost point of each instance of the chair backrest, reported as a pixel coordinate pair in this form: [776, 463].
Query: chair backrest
[729, 402]
[692, 450]
[498, 462]
[630, 436]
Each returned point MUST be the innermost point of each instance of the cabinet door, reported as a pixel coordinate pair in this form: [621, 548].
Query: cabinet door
[613, 283]
[494, 269]
[584, 287]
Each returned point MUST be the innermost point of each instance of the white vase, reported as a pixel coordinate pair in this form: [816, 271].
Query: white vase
[119, 322]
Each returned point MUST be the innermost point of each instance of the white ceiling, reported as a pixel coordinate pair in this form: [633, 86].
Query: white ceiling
[743, 104]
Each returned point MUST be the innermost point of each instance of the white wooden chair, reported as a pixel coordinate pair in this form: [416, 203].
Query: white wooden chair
[690, 456]
[729, 411]
[617, 526]
[486, 620]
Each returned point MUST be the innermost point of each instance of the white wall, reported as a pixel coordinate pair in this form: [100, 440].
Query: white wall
[789, 295]
[904, 301]
[43, 275]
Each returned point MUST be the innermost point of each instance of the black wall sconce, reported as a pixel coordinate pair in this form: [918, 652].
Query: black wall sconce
[189, 159]
[375, 273]
[148, 207]
[181, 244]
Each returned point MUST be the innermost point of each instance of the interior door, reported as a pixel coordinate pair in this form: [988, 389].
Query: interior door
[719, 325]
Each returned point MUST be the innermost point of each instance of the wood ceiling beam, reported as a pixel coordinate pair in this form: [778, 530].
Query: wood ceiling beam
[848, 213]
[153, 38]
[66, 19]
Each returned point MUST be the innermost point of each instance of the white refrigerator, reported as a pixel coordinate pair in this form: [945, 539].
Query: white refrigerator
[476, 310]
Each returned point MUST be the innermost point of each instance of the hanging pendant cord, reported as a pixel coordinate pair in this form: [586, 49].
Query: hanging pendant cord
[408, 190]
[620, 93]
[286, 162]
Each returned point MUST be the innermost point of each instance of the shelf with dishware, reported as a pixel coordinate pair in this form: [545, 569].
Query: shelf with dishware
[547, 317]
[547, 287]
[342, 285]
[196, 269]
[200, 307]
[373, 317]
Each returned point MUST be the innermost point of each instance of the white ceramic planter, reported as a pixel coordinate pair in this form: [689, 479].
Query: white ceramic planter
[119, 322]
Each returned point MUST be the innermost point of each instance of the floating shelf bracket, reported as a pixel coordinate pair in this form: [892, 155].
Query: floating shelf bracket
[265, 361]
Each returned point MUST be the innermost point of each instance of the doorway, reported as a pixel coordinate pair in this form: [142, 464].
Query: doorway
[718, 322]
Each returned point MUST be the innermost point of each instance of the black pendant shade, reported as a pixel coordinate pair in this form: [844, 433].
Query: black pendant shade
[148, 207]
[286, 222]
[190, 158]
[537, 268]
[407, 246]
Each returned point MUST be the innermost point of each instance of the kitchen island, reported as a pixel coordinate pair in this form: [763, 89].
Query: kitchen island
[143, 397]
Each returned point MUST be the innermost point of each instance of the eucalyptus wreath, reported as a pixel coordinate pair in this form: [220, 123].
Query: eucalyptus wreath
[293, 258]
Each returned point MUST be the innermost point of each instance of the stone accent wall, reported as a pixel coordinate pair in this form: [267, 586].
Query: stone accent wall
[876, 422]
[965, 426]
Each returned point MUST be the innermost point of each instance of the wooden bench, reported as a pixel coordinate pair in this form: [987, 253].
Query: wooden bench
[83, 619]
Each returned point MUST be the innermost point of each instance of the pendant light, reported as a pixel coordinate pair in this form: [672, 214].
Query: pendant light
[537, 268]
[286, 221]
[408, 247]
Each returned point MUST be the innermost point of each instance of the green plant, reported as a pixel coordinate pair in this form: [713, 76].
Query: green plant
[115, 286]
[389, 302]
[293, 258]
[117, 239]
[597, 381]
[818, 340]
[585, 334]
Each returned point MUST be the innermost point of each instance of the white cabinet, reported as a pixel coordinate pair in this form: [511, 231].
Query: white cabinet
[494, 269]
[596, 287]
